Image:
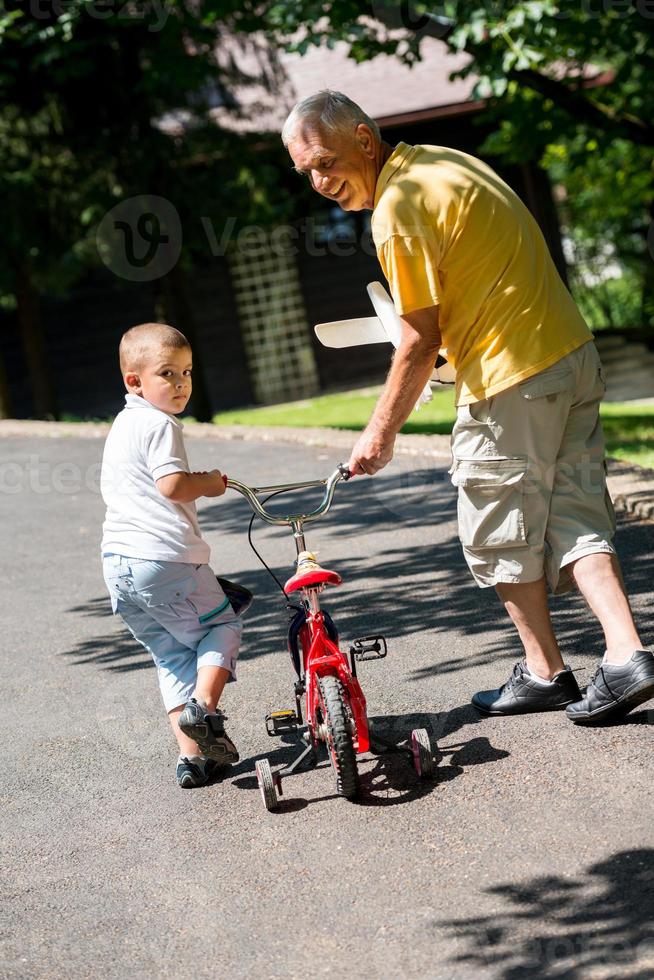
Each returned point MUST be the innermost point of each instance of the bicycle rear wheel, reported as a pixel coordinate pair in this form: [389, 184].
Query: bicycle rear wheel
[337, 720]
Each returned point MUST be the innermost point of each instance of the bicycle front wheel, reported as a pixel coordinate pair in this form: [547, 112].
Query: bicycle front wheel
[337, 719]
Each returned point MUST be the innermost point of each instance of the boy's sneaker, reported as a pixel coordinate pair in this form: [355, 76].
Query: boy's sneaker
[195, 771]
[523, 694]
[207, 729]
[615, 689]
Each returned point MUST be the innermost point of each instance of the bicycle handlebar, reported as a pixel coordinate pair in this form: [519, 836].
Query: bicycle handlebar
[251, 494]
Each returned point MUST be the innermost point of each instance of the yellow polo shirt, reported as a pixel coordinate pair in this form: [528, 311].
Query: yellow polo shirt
[450, 233]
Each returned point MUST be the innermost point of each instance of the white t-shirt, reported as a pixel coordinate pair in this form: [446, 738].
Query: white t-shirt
[143, 445]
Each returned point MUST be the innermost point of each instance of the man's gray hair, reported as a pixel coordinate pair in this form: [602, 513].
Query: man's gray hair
[329, 112]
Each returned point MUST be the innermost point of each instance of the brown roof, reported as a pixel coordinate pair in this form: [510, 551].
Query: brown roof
[386, 89]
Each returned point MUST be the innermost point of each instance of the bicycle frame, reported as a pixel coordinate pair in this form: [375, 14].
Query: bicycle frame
[335, 706]
[321, 657]
[320, 654]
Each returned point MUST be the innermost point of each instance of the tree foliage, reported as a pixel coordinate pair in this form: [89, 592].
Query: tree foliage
[541, 46]
[565, 82]
[104, 102]
[85, 86]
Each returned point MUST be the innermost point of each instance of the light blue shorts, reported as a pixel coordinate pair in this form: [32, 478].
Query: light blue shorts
[180, 614]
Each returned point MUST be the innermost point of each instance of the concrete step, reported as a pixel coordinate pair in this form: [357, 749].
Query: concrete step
[616, 354]
[608, 343]
[626, 393]
[629, 368]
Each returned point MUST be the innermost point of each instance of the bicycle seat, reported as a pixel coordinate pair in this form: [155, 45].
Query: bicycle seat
[309, 573]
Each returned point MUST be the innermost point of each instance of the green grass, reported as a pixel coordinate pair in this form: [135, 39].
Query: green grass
[628, 427]
[345, 410]
[629, 431]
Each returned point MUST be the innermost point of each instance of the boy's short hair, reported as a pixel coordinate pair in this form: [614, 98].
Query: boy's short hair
[139, 343]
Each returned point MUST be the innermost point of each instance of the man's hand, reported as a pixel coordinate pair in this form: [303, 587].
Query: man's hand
[371, 453]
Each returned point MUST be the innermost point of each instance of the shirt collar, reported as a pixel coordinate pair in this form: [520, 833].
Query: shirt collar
[137, 401]
[395, 162]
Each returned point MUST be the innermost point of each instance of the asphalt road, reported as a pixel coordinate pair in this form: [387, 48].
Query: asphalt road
[531, 854]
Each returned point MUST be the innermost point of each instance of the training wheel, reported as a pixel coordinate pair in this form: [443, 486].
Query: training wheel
[423, 760]
[266, 782]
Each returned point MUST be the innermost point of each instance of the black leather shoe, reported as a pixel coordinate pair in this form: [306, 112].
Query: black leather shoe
[615, 690]
[522, 694]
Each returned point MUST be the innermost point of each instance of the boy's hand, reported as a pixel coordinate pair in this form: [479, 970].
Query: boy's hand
[216, 484]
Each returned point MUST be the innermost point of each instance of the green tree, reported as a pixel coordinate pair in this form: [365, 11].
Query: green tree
[543, 47]
[102, 105]
[566, 82]
[605, 202]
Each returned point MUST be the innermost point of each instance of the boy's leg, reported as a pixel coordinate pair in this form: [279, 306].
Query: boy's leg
[204, 621]
[211, 684]
[151, 600]
[187, 746]
[201, 720]
[199, 617]
[175, 665]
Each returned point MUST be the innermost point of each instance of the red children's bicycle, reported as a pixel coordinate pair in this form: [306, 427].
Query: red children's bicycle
[335, 707]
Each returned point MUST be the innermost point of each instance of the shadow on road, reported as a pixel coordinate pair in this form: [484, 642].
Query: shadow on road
[600, 924]
[420, 589]
[388, 778]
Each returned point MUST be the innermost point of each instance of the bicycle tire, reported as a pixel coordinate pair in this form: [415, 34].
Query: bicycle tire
[266, 783]
[423, 759]
[339, 736]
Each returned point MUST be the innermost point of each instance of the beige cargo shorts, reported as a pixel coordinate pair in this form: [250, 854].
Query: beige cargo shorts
[531, 476]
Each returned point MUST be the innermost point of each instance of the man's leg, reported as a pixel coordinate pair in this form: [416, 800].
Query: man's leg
[599, 580]
[526, 604]
[546, 684]
[625, 678]
[506, 451]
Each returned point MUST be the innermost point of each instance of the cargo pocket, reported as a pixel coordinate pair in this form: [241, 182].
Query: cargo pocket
[491, 501]
[162, 583]
[548, 383]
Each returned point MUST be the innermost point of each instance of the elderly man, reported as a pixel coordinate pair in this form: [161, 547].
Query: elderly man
[469, 272]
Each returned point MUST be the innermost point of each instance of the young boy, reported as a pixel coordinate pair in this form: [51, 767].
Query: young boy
[154, 558]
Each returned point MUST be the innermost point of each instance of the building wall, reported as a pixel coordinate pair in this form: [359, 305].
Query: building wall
[334, 287]
[82, 333]
[83, 329]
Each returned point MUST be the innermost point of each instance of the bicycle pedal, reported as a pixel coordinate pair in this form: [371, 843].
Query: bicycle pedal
[369, 648]
[284, 722]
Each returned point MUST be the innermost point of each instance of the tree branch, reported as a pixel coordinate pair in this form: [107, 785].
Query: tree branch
[573, 101]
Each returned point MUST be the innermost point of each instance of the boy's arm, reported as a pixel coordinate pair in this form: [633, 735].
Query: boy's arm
[182, 488]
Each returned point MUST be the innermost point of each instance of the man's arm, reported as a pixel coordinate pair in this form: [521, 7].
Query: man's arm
[412, 366]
